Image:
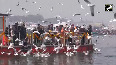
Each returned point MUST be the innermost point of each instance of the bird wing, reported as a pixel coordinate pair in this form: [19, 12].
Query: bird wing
[87, 1]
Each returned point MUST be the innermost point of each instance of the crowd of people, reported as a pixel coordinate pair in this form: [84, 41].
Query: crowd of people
[61, 34]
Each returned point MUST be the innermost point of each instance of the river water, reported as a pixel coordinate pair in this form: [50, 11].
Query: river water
[106, 56]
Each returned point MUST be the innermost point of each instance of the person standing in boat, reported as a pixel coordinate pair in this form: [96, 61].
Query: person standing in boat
[35, 36]
[22, 31]
[41, 31]
[6, 31]
[89, 31]
[82, 30]
[5, 42]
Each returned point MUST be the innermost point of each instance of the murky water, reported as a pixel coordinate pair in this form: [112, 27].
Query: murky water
[107, 56]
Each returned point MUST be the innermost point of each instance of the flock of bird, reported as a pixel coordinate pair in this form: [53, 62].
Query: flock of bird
[27, 11]
[92, 6]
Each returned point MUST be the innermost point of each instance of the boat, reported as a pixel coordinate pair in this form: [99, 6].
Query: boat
[65, 41]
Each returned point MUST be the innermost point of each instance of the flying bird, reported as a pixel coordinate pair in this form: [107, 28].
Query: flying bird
[10, 10]
[18, 4]
[87, 1]
[76, 14]
[34, 2]
[98, 12]
[26, 1]
[60, 4]
[109, 7]
[92, 10]
[78, 1]
[51, 9]
[87, 14]
[82, 7]
[39, 7]
[23, 9]
[27, 11]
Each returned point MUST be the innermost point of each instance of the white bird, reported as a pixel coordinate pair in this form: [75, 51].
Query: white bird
[96, 49]
[39, 7]
[18, 4]
[60, 4]
[86, 52]
[82, 7]
[28, 52]
[8, 53]
[10, 10]
[45, 55]
[34, 2]
[2, 52]
[69, 53]
[75, 48]
[11, 45]
[37, 54]
[87, 1]
[87, 14]
[51, 9]
[27, 11]
[15, 54]
[98, 12]
[76, 14]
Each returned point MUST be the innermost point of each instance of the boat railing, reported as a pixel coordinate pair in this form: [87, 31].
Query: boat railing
[77, 37]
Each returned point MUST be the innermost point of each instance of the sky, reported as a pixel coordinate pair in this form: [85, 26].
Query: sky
[64, 8]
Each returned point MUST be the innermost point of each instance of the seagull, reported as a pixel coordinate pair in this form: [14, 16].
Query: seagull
[87, 14]
[92, 9]
[34, 2]
[10, 10]
[60, 4]
[39, 7]
[78, 1]
[18, 4]
[86, 52]
[82, 7]
[51, 9]
[76, 14]
[23, 9]
[87, 1]
[27, 11]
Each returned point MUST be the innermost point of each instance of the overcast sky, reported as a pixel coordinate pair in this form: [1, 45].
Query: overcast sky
[66, 10]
